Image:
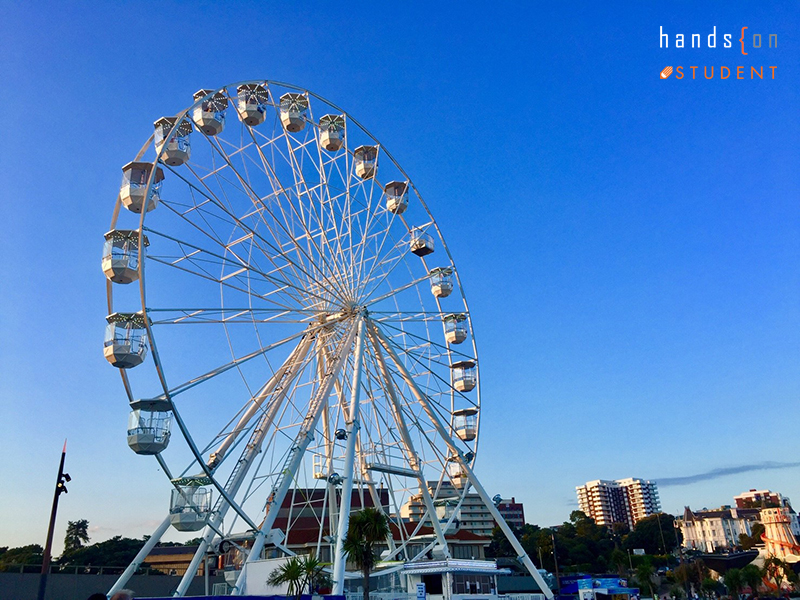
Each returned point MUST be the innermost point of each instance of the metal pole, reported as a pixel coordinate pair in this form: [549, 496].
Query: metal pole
[205, 573]
[349, 460]
[458, 455]
[60, 488]
[555, 560]
[295, 457]
[149, 545]
[408, 447]
[253, 448]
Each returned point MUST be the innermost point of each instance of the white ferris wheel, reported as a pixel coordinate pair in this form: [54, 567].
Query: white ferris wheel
[279, 293]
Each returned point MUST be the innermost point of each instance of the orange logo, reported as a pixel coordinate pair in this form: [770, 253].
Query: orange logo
[666, 72]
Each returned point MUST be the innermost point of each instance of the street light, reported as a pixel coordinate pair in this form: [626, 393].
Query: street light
[61, 488]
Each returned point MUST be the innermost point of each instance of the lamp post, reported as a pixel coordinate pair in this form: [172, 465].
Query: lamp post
[61, 488]
[555, 560]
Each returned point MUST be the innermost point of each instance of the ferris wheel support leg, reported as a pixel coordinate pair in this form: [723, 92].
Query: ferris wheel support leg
[148, 546]
[408, 446]
[459, 456]
[349, 461]
[284, 371]
[333, 511]
[295, 457]
[253, 448]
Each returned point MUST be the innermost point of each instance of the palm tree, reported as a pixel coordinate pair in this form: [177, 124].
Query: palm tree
[367, 528]
[313, 573]
[752, 577]
[734, 582]
[644, 576]
[77, 535]
[299, 573]
[291, 573]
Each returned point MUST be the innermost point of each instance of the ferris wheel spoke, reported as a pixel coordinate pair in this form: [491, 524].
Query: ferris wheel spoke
[445, 350]
[216, 316]
[270, 249]
[382, 277]
[255, 199]
[203, 274]
[400, 289]
[381, 260]
[301, 184]
[282, 283]
[411, 455]
[183, 387]
[336, 254]
[446, 386]
[264, 166]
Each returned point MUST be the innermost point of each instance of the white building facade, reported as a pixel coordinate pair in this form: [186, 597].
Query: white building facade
[718, 529]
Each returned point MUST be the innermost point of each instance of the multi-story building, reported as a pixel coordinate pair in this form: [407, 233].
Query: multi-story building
[758, 499]
[472, 516]
[512, 511]
[625, 501]
[718, 529]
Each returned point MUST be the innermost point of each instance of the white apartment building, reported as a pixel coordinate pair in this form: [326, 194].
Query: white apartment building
[619, 501]
[473, 515]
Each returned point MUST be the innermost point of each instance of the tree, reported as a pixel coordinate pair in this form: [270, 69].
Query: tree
[676, 592]
[774, 570]
[500, 546]
[619, 560]
[747, 542]
[300, 573]
[709, 587]
[291, 573]
[24, 555]
[116, 552]
[734, 582]
[367, 528]
[77, 535]
[654, 534]
[644, 577]
[751, 575]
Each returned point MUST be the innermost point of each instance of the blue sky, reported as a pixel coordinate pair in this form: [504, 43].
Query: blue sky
[629, 246]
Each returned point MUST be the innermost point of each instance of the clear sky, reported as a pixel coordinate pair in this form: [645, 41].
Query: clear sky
[630, 247]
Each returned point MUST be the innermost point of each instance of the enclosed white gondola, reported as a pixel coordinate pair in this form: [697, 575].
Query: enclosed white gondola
[465, 423]
[133, 189]
[441, 281]
[125, 344]
[209, 115]
[251, 100]
[396, 196]
[457, 473]
[364, 161]
[331, 132]
[149, 425]
[293, 111]
[464, 375]
[189, 507]
[121, 255]
[456, 328]
[421, 243]
[176, 149]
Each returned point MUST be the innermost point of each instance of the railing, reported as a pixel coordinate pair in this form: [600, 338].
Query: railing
[522, 596]
[93, 570]
[380, 596]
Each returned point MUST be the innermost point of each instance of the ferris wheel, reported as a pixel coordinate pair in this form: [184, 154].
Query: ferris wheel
[279, 294]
